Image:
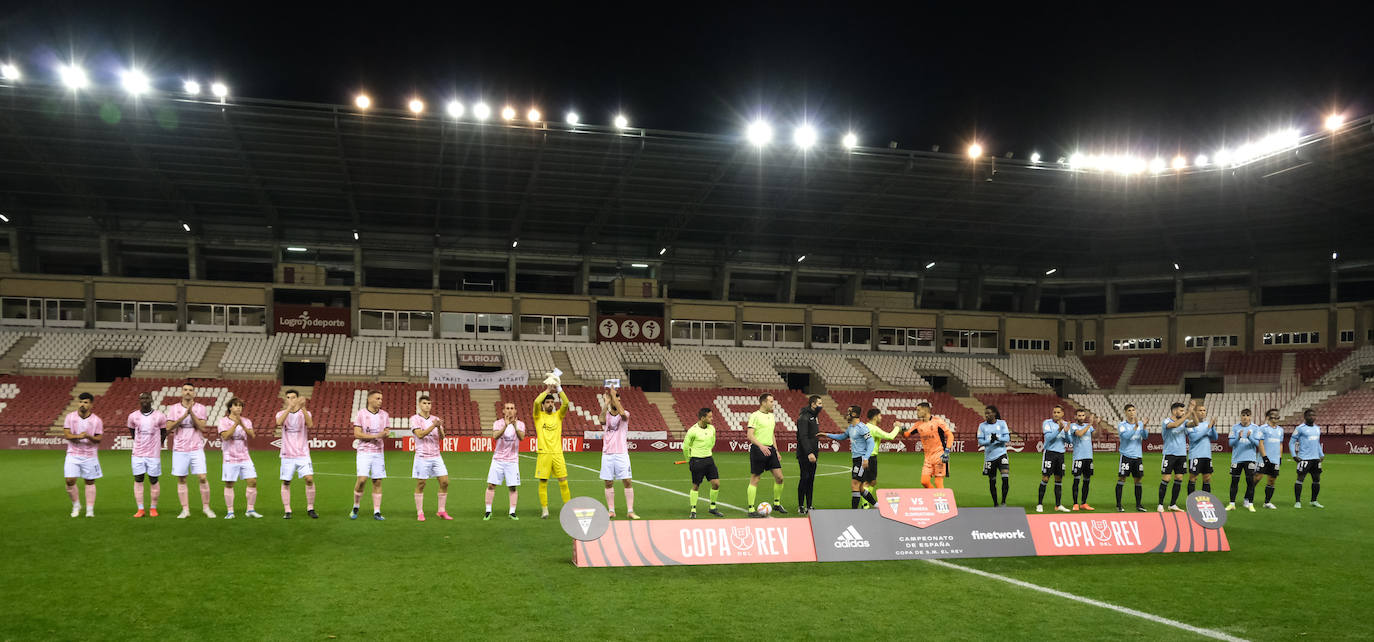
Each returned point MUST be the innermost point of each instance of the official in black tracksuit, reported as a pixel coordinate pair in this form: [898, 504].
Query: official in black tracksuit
[808, 447]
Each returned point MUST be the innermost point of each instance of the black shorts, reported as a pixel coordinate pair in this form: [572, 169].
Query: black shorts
[872, 468]
[1052, 463]
[859, 472]
[758, 463]
[1269, 468]
[1200, 466]
[1176, 464]
[1082, 468]
[1306, 466]
[991, 466]
[703, 468]
[1130, 467]
[1246, 468]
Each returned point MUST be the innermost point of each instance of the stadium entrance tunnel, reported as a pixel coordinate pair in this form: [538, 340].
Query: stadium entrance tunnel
[110, 368]
[646, 380]
[300, 373]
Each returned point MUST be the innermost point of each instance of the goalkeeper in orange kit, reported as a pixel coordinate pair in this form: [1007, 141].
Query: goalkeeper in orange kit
[936, 440]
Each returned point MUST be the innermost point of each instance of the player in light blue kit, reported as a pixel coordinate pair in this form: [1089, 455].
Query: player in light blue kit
[1306, 446]
[1082, 435]
[1200, 438]
[1056, 432]
[1245, 439]
[993, 436]
[1175, 464]
[1271, 452]
[1131, 433]
[860, 447]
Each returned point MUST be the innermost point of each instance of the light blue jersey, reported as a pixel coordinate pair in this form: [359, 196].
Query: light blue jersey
[993, 438]
[1175, 439]
[1200, 438]
[1132, 438]
[1082, 445]
[1056, 439]
[860, 441]
[1306, 442]
[1273, 443]
[1245, 443]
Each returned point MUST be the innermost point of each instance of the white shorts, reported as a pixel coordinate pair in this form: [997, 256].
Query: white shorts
[504, 473]
[151, 466]
[236, 470]
[615, 466]
[299, 467]
[192, 463]
[426, 468]
[83, 467]
[372, 465]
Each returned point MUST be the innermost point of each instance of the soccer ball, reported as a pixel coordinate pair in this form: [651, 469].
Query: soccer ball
[765, 509]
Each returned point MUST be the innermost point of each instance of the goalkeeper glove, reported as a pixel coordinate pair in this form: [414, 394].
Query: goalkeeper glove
[944, 458]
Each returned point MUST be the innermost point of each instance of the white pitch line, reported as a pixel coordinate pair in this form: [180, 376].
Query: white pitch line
[666, 490]
[1217, 635]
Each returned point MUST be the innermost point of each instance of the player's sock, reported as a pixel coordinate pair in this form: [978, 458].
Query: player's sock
[1058, 493]
[610, 499]
[1178, 485]
[1006, 486]
[1041, 501]
[564, 491]
[692, 497]
[1120, 488]
[544, 494]
[74, 495]
[1192, 486]
[1206, 487]
[992, 488]
[1250, 490]
[629, 500]
[513, 495]
[310, 497]
[377, 502]
[1076, 482]
[286, 498]
[90, 498]
[1139, 494]
[1087, 482]
[868, 497]
[713, 493]
[1316, 488]
[229, 499]
[420, 503]
[443, 502]
[1163, 488]
[753, 495]
[205, 495]
[1235, 486]
[1268, 494]
[138, 494]
[184, 495]
[777, 493]
[252, 494]
[491, 495]
[1297, 491]
[157, 492]
[854, 499]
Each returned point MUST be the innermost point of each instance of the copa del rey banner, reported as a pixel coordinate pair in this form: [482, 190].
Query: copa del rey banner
[479, 380]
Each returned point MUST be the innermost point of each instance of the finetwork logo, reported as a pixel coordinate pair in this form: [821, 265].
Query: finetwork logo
[1016, 534]
[851, 538]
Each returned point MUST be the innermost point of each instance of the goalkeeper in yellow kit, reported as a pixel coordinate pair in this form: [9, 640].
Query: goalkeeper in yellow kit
[548, 425]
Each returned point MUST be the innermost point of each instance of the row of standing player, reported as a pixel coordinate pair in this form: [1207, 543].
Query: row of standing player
[187, 421]
[1188, 435]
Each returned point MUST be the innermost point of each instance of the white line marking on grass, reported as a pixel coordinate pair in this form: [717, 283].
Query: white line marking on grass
[1217, 635]
[643, 483]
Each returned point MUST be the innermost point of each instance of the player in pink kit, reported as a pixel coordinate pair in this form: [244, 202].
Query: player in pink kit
[429, 462]
[148, 426]
[82, 429]
[186, 422]
[615, 453]
[370, 427]
[235, 430]
[505, 457]
[295, 423]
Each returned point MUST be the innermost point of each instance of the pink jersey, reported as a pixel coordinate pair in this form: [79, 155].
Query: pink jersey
[185, 437]
[147, 432]
[236, 446]
[372, 424]
[508, 444]
[615, 439]
[91, 425]
[295, 440]
[426, 447]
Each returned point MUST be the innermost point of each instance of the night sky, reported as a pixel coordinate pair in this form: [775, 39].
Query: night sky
[1152, 79]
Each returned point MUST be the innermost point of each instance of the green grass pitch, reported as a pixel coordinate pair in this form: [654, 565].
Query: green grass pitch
[1291, 573]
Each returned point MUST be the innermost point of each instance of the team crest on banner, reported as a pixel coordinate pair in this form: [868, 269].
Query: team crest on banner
[1202, 507]
[920, 507]
[584, 518]
[1100, 530]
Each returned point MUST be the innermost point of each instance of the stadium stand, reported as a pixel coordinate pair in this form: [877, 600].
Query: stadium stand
[593, 362]
[1351, 362]
[1151, 408]
[749, 366]
[1350, 413]
[1024, 413]
[30, 405]
[587, 409]
[70, 349]
[896, 370]
[252, 355]
[1224, 408]
[1165, 369]
[1026, 369]
[173, 352]
[899, 408]
[969, 370]
[730, 409]
[683, 365]
[1254, 368]
[336, 403]
[1106, 371]
[1098, 403]
[261, 399]
[1291, 412]
[1313, 365]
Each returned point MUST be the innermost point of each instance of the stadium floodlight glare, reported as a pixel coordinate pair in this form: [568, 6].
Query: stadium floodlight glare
[572, 118]
[219, 90]
[1180, 162]
[135, 82]
[930, 265]
[533, 115]
[363, 101]
[1201, 160]
[454, 109]
[508, 113]
[515, 243]
[1157, 165]
[416, 105]
[801, 258]
[621, 122]
[1077, 160]
[1051, 271]
[1035, 157]
[1334, 121]
[191, 87]
[73, 77]
[6, 219]
[9, 71]
[296, 249]
[1333, 254]
[975, 150]
[804, 136]
[662, 251]
[481, 111]
[186, 226]
[639, 265]
[850, 140]
[355, 235]
[759, 133]
[1176, 266]
[1222, 157]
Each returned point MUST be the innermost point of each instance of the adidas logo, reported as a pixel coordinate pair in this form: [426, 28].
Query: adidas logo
[851, 538]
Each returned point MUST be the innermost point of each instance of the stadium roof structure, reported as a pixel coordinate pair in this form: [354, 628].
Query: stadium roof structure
[312, 174]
